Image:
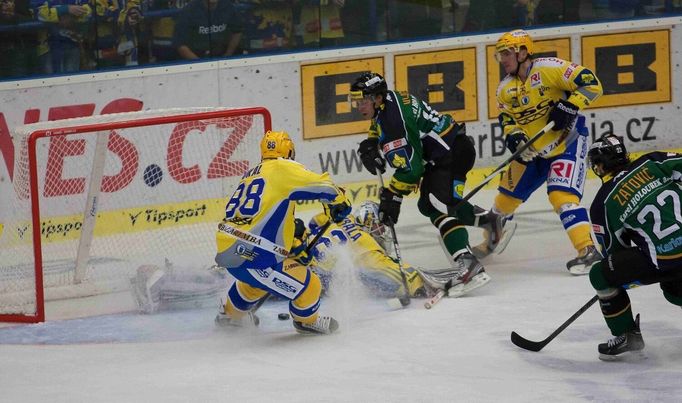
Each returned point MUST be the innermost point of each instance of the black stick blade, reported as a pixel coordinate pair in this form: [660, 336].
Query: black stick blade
[526, 344]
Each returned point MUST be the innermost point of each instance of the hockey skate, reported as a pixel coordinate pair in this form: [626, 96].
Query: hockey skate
[496, 233]
[322, 325]
[630, 343]
[472, 275]
[584, 262]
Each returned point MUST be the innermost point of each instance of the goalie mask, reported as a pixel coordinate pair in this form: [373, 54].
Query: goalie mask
[607, 155]
[367, 217]
[277, 145]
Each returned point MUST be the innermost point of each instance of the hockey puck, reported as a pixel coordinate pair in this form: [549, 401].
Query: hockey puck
[283, 316]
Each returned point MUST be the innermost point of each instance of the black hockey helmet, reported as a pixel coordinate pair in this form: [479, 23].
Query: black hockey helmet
[607, 155]
[368, 84]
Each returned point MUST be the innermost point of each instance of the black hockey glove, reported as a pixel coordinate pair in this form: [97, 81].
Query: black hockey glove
[389, 206]
[337, 212]
[517, 139]
[300, 244]
[563, 114]
[370, 157]
[514, 140]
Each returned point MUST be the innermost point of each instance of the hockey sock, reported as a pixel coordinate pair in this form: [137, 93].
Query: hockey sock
[453, 233]
[577, 225]
[614, 303]
[304, 307]
[241, 297]
[464, 213]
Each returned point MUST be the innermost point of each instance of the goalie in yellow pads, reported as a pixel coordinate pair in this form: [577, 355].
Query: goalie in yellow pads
[257, 234]
[368, 240]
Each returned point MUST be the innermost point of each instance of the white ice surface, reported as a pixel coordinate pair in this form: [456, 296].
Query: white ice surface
[457, 351]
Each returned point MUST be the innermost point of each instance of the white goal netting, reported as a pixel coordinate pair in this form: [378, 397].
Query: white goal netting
[97, 197]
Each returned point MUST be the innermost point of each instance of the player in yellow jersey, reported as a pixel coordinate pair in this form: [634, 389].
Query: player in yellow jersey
[368, 240]
[535, 92]
[257, 234]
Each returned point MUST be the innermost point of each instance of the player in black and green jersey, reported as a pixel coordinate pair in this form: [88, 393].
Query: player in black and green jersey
[423, 145]
[637, 218]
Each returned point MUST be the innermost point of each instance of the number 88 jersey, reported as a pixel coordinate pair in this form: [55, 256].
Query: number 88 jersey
[260, 212]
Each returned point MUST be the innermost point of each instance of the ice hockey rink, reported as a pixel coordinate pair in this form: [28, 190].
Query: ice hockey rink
[458, 351]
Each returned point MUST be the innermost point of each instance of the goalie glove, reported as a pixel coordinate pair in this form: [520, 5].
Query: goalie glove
[389, 206]
[337, 212]
[516, 139]
[370, 157]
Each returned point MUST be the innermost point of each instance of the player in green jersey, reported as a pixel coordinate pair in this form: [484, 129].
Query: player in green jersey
[429, 151]
[637, 219]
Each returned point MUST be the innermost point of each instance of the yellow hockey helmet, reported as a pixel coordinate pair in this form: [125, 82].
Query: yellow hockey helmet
[276, 145]
[515, 40]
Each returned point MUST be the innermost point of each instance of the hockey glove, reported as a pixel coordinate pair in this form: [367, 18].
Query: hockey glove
[517, 139]
[563, 114]
[300, 244]
[370, 157]
[389, 206]
[337, 212]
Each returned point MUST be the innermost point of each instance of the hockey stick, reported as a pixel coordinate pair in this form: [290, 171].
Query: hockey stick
[538, 345]
[405, 299]
[435, 299]
[308, 248]
[440, 206]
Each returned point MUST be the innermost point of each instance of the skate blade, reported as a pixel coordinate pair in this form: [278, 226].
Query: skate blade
[579, 270]
[628, 356]
[477, 281]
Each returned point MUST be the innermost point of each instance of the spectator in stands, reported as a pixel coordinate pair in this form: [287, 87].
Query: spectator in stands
[416, 18]
[129, 26]
[18, 55]
[320, 22]
[556, 12]
[360, 22]
[162, 29]
[68, 22]
[485, 15]
[207, 29]
[614, 9]
[268, 25]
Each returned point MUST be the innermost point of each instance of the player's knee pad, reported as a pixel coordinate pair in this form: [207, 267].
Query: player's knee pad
[304, 307]
[506, 204]
[597, 279]
[672, 291]
[241, 297]
[629, 266]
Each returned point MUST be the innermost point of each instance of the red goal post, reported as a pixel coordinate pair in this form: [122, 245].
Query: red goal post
[97, 197]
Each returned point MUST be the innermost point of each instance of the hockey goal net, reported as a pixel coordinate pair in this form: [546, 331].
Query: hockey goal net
[97, 197]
